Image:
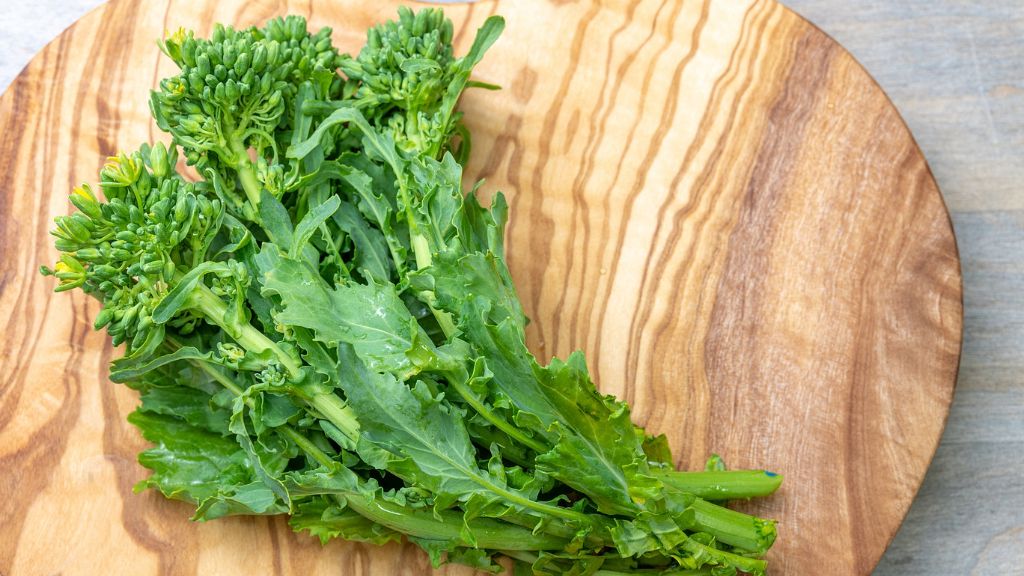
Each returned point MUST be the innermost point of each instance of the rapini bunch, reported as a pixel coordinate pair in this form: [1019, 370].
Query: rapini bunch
[324, 326]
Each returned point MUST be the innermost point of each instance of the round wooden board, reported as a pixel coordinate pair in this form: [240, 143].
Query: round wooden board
[711, 198]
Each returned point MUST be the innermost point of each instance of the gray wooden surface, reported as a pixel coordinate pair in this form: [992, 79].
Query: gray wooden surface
[955, 68]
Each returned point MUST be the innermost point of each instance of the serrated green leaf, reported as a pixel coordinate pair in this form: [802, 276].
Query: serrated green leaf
[189, 463]
[370, 317]
[189, 404]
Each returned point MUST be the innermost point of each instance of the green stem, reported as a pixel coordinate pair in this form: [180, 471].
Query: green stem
[657, 572]
[484, 436]
[549, 509]
[421, 249]
[338, 413]
[721, 484]
[446, 525]
[217, 375]
[556, 527]
[215, 310]
[246, 174]
[253, 340]
[307, 446]
[734, 528]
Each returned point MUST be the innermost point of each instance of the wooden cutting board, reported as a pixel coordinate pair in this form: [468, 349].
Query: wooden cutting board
[710, 197]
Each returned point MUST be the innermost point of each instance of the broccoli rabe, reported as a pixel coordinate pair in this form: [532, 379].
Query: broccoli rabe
[233, 102]
[324, 325]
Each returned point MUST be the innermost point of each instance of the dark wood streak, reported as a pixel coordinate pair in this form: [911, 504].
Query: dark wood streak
[879, 272]
[273, 526]
[42, 450]
[590, 304]
[10, 143]
[570, 132]
[540, 223]
[668, 112]
[10, 388]
[580, 210]
[755, 224]
[523, 89]
[26, 349]
[754, 21]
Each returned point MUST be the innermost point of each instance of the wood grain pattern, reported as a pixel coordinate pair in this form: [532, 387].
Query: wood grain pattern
[953, 70]
[712, 199]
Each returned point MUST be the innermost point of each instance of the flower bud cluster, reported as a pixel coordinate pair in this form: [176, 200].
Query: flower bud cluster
[236, 87]
[126, 250]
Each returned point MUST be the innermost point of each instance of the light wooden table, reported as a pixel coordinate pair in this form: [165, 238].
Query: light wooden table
[955, 68]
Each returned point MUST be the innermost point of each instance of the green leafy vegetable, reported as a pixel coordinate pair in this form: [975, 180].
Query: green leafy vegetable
[324, 325]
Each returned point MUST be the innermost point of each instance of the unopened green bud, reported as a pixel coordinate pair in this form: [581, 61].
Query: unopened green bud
[229, 55]
[89, 254]
[168, 272]
[158, 160]
[83, 199]
[103, 318]
[191, 125]
[196, 80]
[119, 254]
[204, 206]
[73, 229]
[139, 339]
[203, 65]
[129, 315]
[241, 65]
[188, 50]
[183, 207]
[104, 271]
[273, 53]
[259, 58]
